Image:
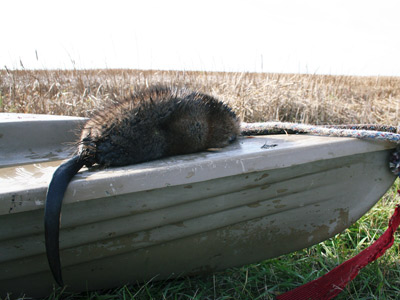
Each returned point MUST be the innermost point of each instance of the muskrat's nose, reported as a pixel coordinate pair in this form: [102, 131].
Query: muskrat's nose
[232, 138]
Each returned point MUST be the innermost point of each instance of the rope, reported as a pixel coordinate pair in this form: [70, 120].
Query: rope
[370, 132]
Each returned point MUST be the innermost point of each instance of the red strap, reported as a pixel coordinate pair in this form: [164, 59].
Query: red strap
[331, 284]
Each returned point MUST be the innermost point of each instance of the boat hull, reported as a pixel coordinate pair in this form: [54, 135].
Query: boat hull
[257, 199]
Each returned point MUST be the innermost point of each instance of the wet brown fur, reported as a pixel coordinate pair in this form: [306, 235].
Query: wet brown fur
[157, 122]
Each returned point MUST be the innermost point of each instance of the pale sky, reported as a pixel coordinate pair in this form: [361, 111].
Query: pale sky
[350, 37]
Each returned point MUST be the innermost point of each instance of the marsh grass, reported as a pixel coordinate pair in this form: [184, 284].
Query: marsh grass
[312, 99]
[316, 99]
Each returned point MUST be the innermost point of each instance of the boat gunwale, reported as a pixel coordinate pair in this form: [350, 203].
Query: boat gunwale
[198, 167]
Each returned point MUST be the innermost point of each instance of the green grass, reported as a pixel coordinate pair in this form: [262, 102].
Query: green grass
[266, 279]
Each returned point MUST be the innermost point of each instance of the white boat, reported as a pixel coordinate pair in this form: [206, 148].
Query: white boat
[258, 198]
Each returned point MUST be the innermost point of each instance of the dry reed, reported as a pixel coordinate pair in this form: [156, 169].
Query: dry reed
[314, 99]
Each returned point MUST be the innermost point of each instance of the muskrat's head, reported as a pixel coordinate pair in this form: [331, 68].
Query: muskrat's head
[224, 126]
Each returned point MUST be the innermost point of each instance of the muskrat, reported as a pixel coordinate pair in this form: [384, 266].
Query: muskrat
[150, 124]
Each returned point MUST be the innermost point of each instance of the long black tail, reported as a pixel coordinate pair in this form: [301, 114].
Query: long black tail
[55, 194]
